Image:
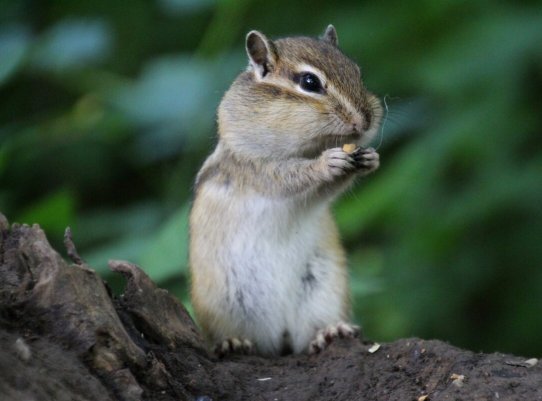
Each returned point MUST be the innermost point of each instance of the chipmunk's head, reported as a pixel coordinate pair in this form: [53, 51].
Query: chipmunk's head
[299, 96]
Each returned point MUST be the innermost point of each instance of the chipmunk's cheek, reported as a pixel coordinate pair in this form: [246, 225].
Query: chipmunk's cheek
[367, 119]
[317, 113]
[342, 113]
[316, 110]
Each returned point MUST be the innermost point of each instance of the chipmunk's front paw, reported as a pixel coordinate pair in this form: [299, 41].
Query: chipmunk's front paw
[326, 335]
[336, 162]
[233, 345]
[365, 160]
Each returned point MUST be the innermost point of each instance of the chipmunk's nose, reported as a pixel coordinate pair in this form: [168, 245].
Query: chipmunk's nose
[356, 128]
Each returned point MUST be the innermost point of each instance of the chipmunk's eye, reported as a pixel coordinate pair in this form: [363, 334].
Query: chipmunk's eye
[310, 82]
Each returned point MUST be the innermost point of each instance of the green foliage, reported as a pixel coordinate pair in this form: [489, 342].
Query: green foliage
[107, 112]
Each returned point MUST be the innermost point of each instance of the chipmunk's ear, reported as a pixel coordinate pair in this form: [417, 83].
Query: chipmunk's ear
[330, 36]
[262, 53]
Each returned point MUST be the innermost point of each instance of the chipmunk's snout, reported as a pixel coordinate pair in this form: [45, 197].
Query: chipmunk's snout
[357, 128]
[358, 124]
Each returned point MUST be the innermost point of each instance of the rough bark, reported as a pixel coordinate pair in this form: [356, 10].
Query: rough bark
[64, 336]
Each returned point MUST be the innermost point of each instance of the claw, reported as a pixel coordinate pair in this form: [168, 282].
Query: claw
[233, 345]
[326, 335]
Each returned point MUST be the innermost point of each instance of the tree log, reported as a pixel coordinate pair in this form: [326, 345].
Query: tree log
[64, 336]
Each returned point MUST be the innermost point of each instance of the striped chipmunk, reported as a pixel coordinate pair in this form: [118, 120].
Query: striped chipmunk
[268, 269]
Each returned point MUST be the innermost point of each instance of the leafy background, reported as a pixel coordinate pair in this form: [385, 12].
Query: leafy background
[107, 111]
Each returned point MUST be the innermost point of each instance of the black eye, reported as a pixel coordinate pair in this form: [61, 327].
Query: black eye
[310, 82]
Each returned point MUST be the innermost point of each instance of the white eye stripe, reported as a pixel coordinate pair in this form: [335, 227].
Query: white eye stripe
[329, 87]
[343, 100]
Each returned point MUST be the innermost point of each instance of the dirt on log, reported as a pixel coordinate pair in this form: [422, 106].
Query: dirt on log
[64, 336]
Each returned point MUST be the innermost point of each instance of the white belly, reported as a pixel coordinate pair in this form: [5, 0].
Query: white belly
[260, 252]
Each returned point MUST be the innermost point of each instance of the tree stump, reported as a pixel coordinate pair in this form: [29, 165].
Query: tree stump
[64, 336]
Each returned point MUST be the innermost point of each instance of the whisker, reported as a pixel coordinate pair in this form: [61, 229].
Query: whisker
[383, 122]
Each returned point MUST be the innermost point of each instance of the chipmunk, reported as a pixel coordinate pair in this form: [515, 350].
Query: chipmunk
[268, 269]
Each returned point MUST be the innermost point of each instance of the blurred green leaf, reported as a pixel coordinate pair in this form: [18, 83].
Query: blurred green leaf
[378, 197]
[14, 44]
[482, 52]
[73, 43]
[54, 212]
[169, 102]
[127, 248]
[170, 90]
[180, 7]
[166, 255]
[107, 225]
